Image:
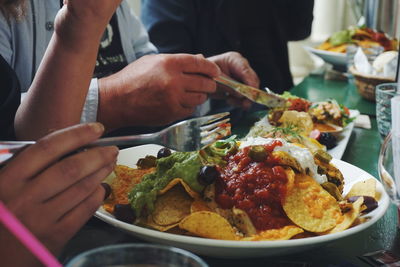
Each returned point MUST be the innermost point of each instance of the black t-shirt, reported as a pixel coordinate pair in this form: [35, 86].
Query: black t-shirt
[110, 58]
[10, 96]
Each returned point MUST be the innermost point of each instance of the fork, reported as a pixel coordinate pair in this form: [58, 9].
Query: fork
[187, 135]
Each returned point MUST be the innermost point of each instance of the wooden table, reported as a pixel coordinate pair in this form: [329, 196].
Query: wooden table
[362, 151]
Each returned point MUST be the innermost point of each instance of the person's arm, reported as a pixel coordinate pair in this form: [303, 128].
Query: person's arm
[170, 24]
[57, 94]
[52, 194]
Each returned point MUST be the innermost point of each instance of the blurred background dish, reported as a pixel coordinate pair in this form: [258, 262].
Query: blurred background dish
[337, 59]
[366, 84]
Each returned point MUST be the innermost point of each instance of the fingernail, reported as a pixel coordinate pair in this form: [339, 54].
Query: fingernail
[97, 127]
[107, 188]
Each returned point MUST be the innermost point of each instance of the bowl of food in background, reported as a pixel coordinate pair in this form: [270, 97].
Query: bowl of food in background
[334, 49]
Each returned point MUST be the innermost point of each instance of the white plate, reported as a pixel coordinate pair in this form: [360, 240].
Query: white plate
[243, 249]
[334, 58]
[343, 137]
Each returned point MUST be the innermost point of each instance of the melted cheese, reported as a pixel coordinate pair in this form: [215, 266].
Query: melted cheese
[302, 155]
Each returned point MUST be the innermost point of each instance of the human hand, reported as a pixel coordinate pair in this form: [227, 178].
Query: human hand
[53, 195]
[156, 90]
[237, 67]
[78, 20]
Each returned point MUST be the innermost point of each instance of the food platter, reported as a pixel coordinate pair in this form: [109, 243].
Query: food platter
[335, 58]
[343, 136]
[244, 249]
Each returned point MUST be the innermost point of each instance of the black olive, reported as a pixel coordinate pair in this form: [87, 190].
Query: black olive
[328, 140]
[369, 202]
[208, 174]
[164, 152]
[108, 190]
[124, 212]
[258, 153]
[147, 162]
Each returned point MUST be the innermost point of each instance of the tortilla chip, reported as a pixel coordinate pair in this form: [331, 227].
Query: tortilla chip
[309, 206]
[349, 217]
[172, 206]
[304, 235]
[290, 175]
[208, 224]
[177, 231]
[333, 174]
[243, 222]
[199, 205]
[300, 120]
[121, 182]
[363, 188]
[283, 233]
[286, 159]
[176, 181]
[162, 228]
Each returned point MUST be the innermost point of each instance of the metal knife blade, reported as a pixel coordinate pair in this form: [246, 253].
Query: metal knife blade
[270, 100]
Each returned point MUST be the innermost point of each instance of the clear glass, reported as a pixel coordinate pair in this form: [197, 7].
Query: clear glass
[137, 255]
[384, 93]
[386, 171]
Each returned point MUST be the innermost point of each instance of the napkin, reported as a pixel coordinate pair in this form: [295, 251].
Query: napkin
[362, 121]
[361, 62]
[384, 65]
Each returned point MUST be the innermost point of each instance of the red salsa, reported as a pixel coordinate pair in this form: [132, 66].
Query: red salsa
[255, 187]
[299, 104]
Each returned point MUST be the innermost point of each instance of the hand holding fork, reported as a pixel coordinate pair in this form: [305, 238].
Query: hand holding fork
[187, 135]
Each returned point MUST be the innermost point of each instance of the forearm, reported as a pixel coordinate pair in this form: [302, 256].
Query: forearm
[58, 92]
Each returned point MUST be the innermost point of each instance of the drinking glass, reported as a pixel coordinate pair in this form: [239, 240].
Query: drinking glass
[137, 255]
[386, 171]
[384, 93]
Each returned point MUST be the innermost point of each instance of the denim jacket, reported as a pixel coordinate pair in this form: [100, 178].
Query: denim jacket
[23, 44]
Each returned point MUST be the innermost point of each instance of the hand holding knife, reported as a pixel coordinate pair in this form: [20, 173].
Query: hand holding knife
[268, 99]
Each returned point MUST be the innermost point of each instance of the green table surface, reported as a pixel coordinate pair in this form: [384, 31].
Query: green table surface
[315, 88]
[362, 151]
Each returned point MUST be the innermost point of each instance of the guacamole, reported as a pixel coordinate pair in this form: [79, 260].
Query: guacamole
[184, 165]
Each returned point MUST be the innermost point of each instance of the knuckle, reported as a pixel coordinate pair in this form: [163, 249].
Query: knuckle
[235, 54]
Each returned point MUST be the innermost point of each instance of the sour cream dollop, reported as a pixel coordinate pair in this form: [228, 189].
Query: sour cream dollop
[302, 155]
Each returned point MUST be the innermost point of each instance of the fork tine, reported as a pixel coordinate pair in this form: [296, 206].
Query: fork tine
[211, 118]
[214, 125]
[216, 134]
